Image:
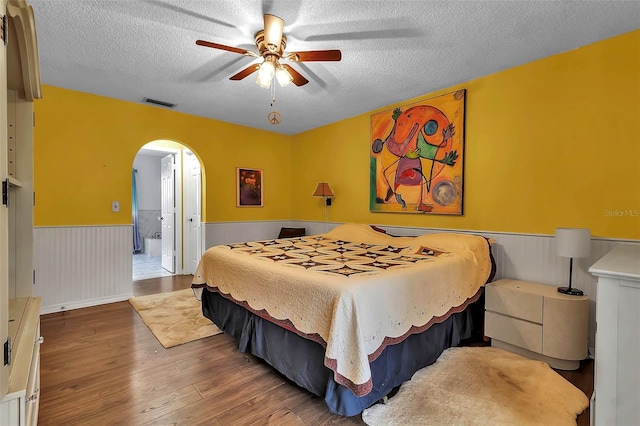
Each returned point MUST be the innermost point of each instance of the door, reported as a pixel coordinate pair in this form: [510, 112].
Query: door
[192, 213]
[168, 201]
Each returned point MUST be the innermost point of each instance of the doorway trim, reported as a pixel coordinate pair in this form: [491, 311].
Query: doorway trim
[178, 226]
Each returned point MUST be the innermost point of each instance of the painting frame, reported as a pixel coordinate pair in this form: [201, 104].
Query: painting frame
[249, 187]
[416, 154]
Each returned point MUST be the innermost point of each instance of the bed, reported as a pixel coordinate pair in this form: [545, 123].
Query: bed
[349, 314]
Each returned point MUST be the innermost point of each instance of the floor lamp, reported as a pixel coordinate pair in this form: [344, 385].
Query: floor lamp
[572, 243]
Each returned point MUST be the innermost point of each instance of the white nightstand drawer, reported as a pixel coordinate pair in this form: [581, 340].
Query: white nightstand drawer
[519, 333]
[512, 301]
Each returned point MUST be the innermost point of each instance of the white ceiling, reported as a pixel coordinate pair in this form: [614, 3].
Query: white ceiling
[392, 50]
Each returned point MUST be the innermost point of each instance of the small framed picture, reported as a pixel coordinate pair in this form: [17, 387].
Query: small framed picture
[249, 183]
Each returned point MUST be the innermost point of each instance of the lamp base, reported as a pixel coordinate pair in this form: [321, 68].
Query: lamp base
[570, 291]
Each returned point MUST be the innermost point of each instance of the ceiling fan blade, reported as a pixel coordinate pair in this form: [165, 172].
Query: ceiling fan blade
[245, 72]
[224, 47]
[273, 27]
[298, 79]
[315, 55]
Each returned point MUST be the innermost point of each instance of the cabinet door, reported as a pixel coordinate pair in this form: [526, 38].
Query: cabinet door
[32, 401]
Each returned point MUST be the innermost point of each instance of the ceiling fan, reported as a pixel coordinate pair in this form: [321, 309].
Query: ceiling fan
[271, 44]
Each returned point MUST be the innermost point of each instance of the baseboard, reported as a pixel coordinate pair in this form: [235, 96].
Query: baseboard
[77, 304]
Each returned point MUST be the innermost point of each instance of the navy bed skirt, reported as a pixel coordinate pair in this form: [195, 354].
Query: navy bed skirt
[302, 360]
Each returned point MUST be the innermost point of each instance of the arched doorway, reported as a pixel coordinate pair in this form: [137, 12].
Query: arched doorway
[168, 182]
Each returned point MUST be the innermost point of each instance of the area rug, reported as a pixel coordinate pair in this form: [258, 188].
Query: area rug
[482, 386]
[174, 318]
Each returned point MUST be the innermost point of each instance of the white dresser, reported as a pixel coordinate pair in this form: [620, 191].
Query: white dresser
[536, 321]
[616, 396]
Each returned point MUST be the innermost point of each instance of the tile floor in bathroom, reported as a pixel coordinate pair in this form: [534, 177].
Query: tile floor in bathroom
[145, 266]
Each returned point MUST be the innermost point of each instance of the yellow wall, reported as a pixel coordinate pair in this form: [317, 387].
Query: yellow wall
[553, 143]
[85, 146]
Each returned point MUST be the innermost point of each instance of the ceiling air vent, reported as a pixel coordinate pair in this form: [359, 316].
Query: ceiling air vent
[159, 103]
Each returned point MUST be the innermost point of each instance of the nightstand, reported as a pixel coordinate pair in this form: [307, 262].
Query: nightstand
[536, 321]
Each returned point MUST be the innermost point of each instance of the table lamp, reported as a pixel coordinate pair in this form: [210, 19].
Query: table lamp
[572, 243]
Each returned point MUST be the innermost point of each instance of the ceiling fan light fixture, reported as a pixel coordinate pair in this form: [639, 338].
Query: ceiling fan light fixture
[283, 76]
[265, 74]
[272, 43]
[263, 82]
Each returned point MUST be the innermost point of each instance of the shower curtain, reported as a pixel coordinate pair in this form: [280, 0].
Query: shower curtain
[137, 241]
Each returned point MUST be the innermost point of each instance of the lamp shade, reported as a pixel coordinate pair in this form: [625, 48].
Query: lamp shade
[323, 190]
[265, 73]
[283, 76]
[573, 242]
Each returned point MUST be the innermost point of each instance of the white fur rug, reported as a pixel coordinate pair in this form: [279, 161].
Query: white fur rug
[482, 386]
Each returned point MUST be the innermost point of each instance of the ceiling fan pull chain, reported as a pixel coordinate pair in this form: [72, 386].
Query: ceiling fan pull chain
[273, 93]
[274, 117]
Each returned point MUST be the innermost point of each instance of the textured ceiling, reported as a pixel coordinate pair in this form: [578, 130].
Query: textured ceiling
[391, 50]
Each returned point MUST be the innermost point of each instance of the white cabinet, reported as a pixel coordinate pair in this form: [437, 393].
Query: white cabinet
[616, 396]
[536, 321]
[20, 405]
[4, 214]
[19, 312]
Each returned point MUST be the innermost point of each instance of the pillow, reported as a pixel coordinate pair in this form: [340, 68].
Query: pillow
[292, 232]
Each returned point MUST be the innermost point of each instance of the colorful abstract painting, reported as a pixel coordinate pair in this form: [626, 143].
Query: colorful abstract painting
[417, 157]
[249, 187]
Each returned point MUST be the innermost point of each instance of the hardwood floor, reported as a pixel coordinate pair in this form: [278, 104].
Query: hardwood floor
[582, 378]
[102, 365]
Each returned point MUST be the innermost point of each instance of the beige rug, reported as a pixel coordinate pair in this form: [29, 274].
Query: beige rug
[174, 318]
[482, 386]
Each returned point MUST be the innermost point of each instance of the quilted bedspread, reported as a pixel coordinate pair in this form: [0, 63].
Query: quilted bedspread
[354, 290]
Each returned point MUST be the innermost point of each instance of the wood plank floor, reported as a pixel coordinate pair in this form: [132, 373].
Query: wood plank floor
[102, 365]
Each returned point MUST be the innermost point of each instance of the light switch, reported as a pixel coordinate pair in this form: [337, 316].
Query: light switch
[115, 206]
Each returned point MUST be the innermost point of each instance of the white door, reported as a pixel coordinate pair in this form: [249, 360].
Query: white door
[192, 213]
[167, 173]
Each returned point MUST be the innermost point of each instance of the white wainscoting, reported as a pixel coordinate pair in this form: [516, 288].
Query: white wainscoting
[85, 266]
[82, 266]
[216, 233]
